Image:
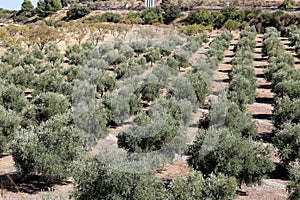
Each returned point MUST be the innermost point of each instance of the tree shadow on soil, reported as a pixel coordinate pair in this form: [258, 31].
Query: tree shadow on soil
[264, 86]
[225, 70]
[261, 66]
[226, 80]
[280, 172]
[262, 116]
[32, 184]
[261, 59]
[266, 137]
[264, 100]
[260, 75]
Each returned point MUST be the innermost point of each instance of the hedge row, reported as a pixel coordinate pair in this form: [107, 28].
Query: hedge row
[285, 84]
[285, 79]
[218, 46]
[242, 87]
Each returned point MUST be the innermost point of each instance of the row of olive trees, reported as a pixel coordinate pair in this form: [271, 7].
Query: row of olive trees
[242, 86]
[285, 78]
[293, 33]
[56, 128]
[218, 46]
[226, 145]
[160, 129]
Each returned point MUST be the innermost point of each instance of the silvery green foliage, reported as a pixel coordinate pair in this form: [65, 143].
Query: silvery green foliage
[218, 47]
[293, 186]
[197, 187]
[184, 90]
[232, 155]
[10, 122]
[22, 76]
[96, 180]
[49, 81]
[53, 54]
[242, 86]
[287, 143]
[49, 149]
[12, 97]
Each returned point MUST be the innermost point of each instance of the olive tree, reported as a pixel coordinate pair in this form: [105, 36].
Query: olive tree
[10, 122]
[197, 187]
[96, 180]
[286, 110]
[286, 141]
[12, 97]
[46, 105]
[231, 155]
[49, 149]
[293, 187]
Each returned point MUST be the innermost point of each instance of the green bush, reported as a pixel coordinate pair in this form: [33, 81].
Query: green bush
[232, 25]
[170, 11]
[286, 110]
[105, 17]
[200, 16]
[77, 11]
[12, 97]
[49, 104]
[47, 7]
[288, 4]
[151, 15]
[231, 117]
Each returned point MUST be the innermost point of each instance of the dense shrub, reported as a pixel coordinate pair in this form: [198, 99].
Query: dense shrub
[49, 104]
[232, 25]
[12, 97]
[47, 7]
[50, 81]
[286, 110]
[77, 11]
[231, 117]
[105, 17]
[170, 11]
[157, 131]
[200, 16]
[288, 4]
